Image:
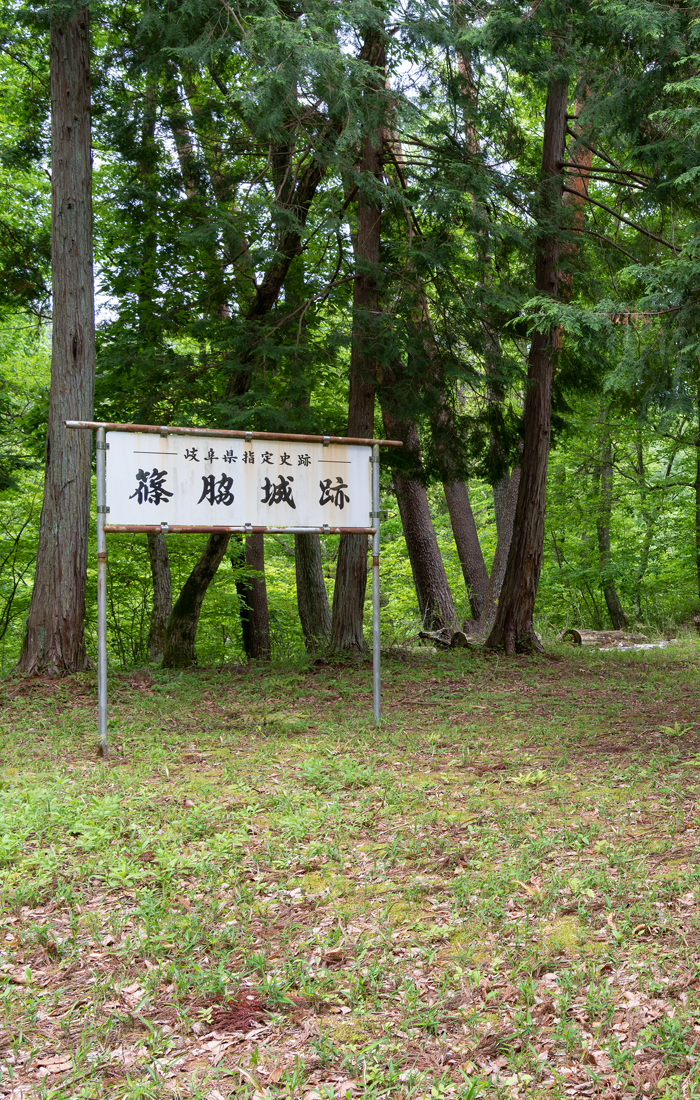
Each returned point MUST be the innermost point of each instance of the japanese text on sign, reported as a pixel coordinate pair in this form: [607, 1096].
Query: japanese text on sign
[198, 481]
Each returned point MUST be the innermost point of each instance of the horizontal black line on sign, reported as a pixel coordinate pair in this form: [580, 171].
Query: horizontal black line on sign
[167, 454]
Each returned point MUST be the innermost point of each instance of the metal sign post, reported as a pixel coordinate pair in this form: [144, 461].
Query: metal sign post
[158, 478]
[101, 493]
[376, 648]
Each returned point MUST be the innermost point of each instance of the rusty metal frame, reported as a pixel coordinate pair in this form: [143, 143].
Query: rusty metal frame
[103, 529]
[285, 437]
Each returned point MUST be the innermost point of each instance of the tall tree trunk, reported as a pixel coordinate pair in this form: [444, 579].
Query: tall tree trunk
[351, 570]
[513, 628]
[162, 594]
[604, 476]
[55, 641]
[505, 499]
[435, 602]
[471, 557]
[650, 514]
[314, 609]
[505, 491]
[312, 597]
[182, 625]
[296, 204]
[456, 493]
[252, 592]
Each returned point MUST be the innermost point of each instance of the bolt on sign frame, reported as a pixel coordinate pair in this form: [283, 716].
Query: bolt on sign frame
[150, 490]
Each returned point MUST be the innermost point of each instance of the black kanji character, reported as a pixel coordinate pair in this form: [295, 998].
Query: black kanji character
[284, 459]
[210, 455]
[230, 456]
[278, 494]
[223, 490]
[208, 483]
[191, 453]
[216, 494]
[303, 460]
[141, 487]
[149, 487]
[267, 458]
[248, 456]
[334, 494]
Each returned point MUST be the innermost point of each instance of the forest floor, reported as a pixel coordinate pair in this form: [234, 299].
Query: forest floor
[259, 895]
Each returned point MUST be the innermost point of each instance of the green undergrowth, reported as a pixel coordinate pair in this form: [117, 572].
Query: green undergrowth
[259, 894]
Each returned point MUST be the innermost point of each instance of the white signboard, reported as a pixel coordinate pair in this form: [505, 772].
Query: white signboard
[203, 481]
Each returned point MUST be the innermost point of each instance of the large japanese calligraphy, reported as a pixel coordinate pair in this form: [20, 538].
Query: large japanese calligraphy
[211, 481]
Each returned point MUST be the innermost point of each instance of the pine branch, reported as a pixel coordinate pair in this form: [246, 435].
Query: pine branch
[621, 218]
[610, 241]
[603, 156]
[611, 171]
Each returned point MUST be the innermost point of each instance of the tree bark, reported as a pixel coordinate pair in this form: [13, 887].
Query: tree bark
[162, 594]
[513, 628]
[252, 592]
[54, 642]
[456, 492]
[435, 602]
[351, 570]
[604, 478]
[505, 499]
[314, 609]
[295, 203]
[471, 556]
[182, 624]
[505, 491]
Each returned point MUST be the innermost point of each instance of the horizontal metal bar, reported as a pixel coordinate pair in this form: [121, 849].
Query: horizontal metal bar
[242, 529]
[155, 429]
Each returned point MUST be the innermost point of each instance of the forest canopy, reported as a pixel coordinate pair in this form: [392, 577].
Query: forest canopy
[469, 227]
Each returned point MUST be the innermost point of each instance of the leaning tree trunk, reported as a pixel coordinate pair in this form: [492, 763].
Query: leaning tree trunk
[182, 625]
[513, 628]
[505, 498]
[435, 602]
[252, 592]
[55, 641]
[351, 570]
[604, 472]
[162, 594]
[314, 609]
[505, 491]
[471, 556]
[456, 493]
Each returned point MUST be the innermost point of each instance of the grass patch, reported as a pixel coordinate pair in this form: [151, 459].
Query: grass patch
[260, 895]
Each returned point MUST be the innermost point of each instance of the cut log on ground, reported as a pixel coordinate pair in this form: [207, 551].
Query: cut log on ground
[447, 639]
[602, 637]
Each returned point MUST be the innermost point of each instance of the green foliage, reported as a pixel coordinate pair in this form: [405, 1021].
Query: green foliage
[227, 182]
